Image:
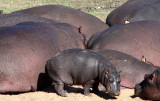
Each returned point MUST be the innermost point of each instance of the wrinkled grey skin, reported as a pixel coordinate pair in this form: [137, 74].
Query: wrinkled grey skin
[132, 70]
[13, 19]
[82, 67]
[135, 10]
[89, 23]
[150, 86]
[24, 50]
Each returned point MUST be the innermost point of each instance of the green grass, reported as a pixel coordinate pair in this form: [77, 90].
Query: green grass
[98, 8]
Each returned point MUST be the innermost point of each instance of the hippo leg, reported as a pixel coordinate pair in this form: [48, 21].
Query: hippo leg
[95, 87]
[59, 87]
[87, 87]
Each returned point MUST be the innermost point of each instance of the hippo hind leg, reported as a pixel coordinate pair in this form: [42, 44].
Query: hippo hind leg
[87, 87]
[59, 87]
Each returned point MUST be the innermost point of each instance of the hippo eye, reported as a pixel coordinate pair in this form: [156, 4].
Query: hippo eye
[111, 80]
[118, 80]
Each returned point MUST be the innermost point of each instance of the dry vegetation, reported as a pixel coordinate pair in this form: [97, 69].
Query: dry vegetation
[99, 8]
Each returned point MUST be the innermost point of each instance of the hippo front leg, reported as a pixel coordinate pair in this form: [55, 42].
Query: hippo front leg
[59, 87]
[87, 87]
[95, 87]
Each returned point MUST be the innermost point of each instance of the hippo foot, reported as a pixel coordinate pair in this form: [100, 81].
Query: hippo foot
[60, 89]
[62, 93]
[87, 94]
[87, 87]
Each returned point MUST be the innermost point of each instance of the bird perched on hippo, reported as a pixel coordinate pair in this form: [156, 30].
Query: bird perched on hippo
[138, 39]
[135, 10]
[132, 70]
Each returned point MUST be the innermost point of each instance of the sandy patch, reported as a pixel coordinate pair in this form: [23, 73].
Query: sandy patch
[74, 94]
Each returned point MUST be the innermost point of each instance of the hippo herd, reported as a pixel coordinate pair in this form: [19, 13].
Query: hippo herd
[59, 45]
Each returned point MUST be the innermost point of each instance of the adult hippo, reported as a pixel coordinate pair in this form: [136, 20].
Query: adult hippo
[89, 23]
[132, 70]
[150, 86]
[82, 67]
[13, 19]
[135, 10]
[138, 39]
[24, 50]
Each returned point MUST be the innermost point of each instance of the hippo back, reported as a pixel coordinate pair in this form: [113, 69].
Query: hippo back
[13, 19]
[136, 39]
[89, 23]
[134, 10]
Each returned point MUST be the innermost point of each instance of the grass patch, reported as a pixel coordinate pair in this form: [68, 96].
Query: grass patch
[98, 8]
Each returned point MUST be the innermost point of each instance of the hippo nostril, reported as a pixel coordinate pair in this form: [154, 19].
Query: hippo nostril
[116, 93]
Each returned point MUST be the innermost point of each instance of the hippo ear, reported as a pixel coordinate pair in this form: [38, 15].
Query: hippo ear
[107, 72]
[120, 71]
[153, 77]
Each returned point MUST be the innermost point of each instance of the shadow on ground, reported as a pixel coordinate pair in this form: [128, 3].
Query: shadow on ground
[71, 89]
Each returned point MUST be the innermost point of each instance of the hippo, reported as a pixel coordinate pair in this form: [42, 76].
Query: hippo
[82, 67]
[150, 86]
[132, 70]
[13, 19]
[135, 10]
[1, 11]
[138, 39]
[89, 23]
[24, 50]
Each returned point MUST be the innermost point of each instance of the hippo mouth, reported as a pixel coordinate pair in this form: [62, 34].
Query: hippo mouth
[137, 90]
[112, 93]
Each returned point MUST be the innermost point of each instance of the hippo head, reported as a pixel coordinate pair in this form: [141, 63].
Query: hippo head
[111, 81]
[149, 87]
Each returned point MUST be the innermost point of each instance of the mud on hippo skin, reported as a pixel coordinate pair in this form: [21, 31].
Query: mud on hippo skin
[150, 86]
[82, 67]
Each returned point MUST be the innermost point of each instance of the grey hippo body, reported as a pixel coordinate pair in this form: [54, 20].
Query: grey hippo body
[138, 39]
[24, 50]
[132, 70]
[82, 67]
[89, 24]
[13, 19]
[135, 10]
[150, 86]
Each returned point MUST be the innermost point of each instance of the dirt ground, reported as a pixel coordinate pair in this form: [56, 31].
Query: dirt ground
[74, 94]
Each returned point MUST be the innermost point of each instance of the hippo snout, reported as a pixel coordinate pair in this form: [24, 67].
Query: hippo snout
[116, 93]
[137, 90]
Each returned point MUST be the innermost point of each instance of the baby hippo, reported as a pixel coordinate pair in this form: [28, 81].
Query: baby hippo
[82, 67]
